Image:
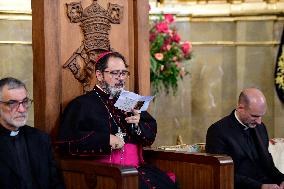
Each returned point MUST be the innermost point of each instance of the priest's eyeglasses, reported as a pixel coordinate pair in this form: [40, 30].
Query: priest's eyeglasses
[15, 104]
[118, 73]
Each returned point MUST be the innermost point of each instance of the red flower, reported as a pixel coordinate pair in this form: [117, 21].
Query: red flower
[162, 27]
[167, 52]
[176, 38]
[186, 48]
[152, 37]
[169, 18]
[165, 44]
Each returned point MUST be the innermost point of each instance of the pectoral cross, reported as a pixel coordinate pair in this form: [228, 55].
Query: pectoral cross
[120, 134]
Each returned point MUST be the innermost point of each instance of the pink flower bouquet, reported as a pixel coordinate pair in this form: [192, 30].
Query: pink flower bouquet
[167, 51]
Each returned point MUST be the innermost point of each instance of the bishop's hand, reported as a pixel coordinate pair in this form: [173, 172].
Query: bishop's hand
[134, 117]
[116, 142]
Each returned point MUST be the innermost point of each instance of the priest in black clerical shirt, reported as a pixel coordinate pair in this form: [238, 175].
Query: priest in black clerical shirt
[243, 136]
[26, 160]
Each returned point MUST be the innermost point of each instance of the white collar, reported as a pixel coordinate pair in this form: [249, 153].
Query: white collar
[236, 116]
[99, 87]
[14, 133]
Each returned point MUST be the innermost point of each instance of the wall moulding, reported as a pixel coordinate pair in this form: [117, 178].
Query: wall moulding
[233, 43]
[186, 18]
[15, 15]
[215, 9]
[15, 42]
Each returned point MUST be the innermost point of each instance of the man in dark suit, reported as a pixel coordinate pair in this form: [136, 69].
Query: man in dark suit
[243, 136]
[26, 160]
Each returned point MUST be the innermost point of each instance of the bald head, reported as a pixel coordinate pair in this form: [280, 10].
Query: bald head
[252, 96]
[251, 106]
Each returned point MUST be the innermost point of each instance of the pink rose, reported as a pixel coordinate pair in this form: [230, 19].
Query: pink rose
[186, 48]
[176, 38]
[174, 58]
[169, 18]
[162, 27]
[169, 47]
[159, 56]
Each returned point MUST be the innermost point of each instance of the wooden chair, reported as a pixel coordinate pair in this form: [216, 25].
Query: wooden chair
[193, 171]
[88, 174]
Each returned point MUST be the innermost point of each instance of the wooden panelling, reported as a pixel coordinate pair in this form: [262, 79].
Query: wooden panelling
[195, 170]
[87, 174]
[55, 39]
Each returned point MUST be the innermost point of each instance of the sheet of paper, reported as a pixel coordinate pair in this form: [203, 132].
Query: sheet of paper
[129, 100]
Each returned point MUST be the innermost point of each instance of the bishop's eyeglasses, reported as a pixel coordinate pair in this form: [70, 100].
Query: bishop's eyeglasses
[15, 104]
[118, 73]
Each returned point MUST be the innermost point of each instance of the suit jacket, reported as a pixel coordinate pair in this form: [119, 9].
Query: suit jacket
[227, 136]
[41, 159]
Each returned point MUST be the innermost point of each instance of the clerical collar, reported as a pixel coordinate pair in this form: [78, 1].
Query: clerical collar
[14, 133]
[103, 92]
[99, 88]
[7, 132]
[236, 116]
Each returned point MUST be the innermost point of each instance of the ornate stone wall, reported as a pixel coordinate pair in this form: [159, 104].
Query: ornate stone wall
[231, 52]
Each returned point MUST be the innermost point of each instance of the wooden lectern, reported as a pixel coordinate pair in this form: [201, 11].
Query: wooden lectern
[62, 50]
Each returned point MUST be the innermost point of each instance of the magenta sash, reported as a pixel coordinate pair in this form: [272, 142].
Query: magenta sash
[129, 155]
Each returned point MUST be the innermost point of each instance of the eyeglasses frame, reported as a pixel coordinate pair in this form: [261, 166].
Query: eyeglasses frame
[10, 103]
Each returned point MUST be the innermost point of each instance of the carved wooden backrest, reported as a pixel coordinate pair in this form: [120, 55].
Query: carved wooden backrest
[67, 37]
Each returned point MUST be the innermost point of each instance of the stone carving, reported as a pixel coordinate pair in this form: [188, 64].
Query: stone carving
[95, 25]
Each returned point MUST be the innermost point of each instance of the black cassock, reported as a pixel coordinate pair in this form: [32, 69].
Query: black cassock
[85, 129]
[253, 164]
[26, 160]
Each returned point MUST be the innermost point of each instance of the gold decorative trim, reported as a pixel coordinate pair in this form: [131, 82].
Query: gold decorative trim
[222, 8]
[15, 15]
[239, 43]
[189, 18]
[185, 2]
[15, 12]
[16, 42]
[227, 19]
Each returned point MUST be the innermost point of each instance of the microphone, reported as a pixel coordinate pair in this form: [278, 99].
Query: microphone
[132, 126]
